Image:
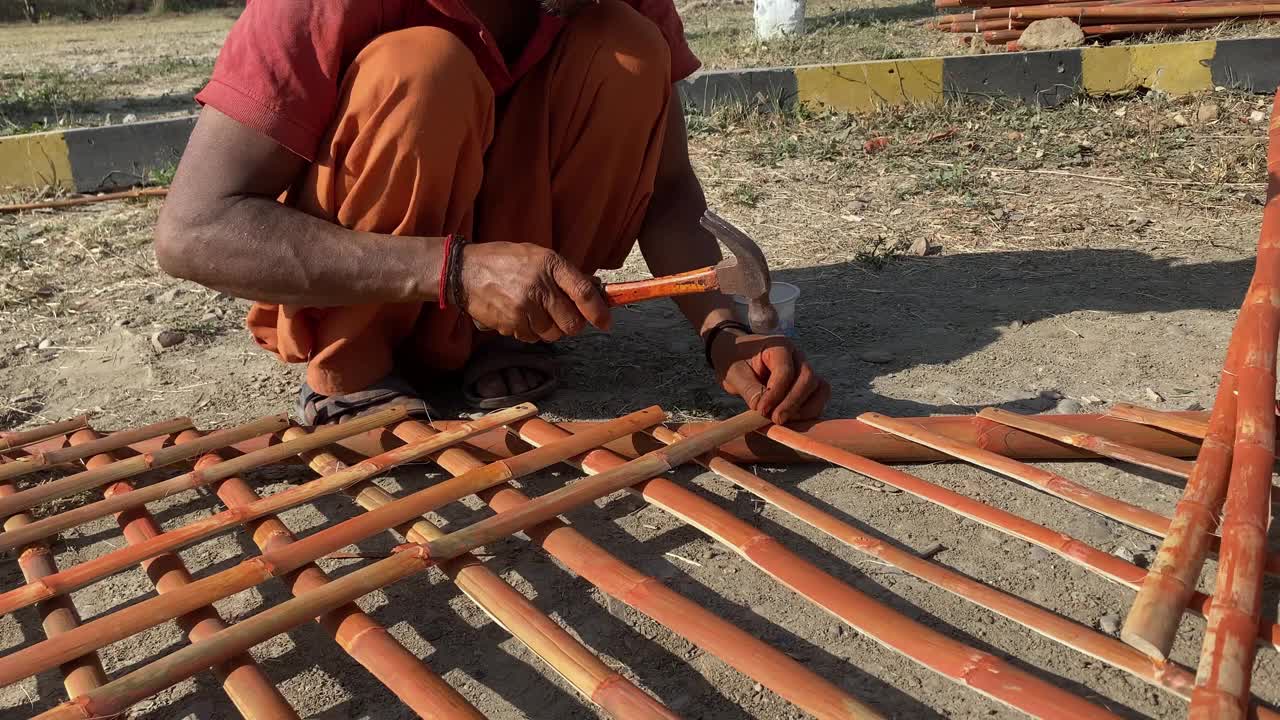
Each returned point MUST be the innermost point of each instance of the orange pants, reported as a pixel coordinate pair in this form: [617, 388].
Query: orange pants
[421, 146]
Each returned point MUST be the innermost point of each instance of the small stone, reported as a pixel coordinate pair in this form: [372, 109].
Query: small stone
[1194, 407]
[1154, 396]
[1016, 325]
[1067, 406]
[1139, 221]
[168, 296]
[22, 346]
[1257, 116]
[757, 687]
[209, 316]
[1180, 120]
[1109, 623]
[1051, 34]
[1123, 553]
[920, 247]
[1207, 113]
[129, 118]
[1091, 400]
[165, 339]
[45, 344]
[879, 357]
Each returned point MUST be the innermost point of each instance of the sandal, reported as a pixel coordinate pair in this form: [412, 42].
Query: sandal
[316, 409]
[504, 354]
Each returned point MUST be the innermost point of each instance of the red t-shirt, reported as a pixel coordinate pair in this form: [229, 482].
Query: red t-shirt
[280, 69]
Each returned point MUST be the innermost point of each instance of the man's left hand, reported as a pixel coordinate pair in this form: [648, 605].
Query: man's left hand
[771, 375]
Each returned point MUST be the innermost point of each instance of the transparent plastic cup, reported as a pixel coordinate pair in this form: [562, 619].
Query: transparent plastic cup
[783, 296]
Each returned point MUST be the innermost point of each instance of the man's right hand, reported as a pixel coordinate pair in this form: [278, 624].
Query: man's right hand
[528, 292]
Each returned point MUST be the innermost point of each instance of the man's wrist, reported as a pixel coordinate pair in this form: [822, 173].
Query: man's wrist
[722, 329]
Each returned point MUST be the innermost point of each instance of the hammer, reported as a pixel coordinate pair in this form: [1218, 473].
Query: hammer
[744, 273]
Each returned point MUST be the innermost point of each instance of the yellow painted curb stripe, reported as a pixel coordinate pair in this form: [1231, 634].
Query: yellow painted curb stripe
[1174, 68]
[865, 86]
[35, 160]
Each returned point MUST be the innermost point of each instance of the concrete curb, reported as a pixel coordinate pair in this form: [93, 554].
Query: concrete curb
[92, 159]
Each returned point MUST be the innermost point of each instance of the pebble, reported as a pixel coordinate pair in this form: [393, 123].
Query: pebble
[168, 296]
[1109, 623]
[1154, 396]
[45, 344]
[1207, 113]
[921, 247]
[1124, 553]
[165, 339]
[1067, 406]
[209, 316]
[22, 346]
[1257, 116]
[758, 687]
[129, 118]
[1016, 325]
[878, 357]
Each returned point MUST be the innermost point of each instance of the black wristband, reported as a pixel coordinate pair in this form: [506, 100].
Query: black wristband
[710, 338]
[453, 281]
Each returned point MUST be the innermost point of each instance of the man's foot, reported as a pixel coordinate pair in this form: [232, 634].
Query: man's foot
[316, 409]
[506, 372]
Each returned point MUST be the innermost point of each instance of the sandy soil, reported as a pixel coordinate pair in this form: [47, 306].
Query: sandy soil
[1083, 256]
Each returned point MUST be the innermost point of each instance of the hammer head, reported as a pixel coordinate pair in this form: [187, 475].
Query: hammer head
[744, 273]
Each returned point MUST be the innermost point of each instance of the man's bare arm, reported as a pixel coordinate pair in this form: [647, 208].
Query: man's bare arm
[222, 227]
[671, 240]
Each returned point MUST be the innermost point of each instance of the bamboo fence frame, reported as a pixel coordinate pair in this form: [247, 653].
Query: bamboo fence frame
[135, 618]
[1169, 676]
[249, 689]
[1226, 658]
[1061, 544]
[516, 614]
[718, 637]
[45, 459]
[409, 560]
[359, 635]
[93, 570]
[982, 672]
[12, 440]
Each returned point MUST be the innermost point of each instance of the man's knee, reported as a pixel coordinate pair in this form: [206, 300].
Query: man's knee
[426, 71]
[638, 58]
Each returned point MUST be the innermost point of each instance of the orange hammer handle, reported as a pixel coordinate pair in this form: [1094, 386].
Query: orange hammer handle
[685, 283]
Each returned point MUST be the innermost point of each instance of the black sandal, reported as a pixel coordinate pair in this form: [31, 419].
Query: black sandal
[316, 409]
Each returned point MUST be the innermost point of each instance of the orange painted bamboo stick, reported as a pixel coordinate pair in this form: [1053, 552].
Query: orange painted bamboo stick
[59, 615]
[87, 572]
[977, 670]
[106, 473]
[1160, 12]
[517, 615]
[17, 438]
[846, 433]
[360, 636]
[135, 618]
[251, 691]
[1061, 544]
[1180, 424]
[57, 523]
[710, 632]
[1088, 441]
[43, 459]
[1175, 679]
[413, 558]
[1226, 659]
[1152, 622]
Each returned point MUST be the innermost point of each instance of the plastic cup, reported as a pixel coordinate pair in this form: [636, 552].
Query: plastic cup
[783, 296]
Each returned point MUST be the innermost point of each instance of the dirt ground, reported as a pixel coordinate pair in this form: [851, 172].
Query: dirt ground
[1081, 256]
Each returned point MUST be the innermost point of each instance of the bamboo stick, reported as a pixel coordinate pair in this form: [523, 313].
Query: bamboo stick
[1241, 10]
[846, 433]
[1180, 424]
[1061, 544]
[133, 619]
[1102, 647]
[115, 441]
[980, 671]
[1088, 441]
[708, 631]
[57, 616]
[104, 474]
[516, 614]
[86, 200]
[16, 439]
[57, 523]
[1153, 619]
[1226, 659]
[87, 572]
[252, 693]
[360, 636]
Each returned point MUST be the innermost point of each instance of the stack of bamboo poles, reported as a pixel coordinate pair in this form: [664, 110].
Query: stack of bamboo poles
[1001, 22]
